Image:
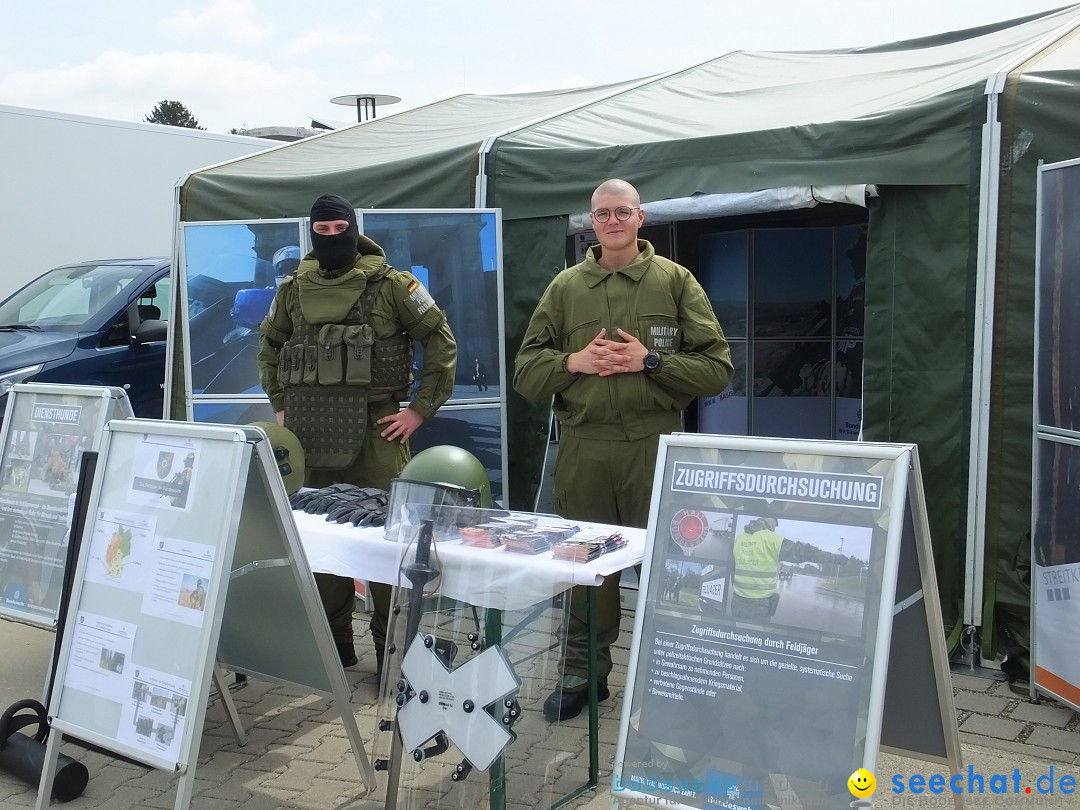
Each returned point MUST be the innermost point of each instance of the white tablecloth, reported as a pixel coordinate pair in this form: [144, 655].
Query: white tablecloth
[493, 578]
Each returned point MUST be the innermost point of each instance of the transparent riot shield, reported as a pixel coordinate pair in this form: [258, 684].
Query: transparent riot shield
[473, 651]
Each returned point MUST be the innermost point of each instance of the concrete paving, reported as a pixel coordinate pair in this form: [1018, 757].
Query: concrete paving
[298, 756]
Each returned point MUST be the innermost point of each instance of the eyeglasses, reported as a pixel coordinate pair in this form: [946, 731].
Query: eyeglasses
[622, 213]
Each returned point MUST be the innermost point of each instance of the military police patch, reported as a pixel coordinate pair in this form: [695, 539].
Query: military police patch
[419, 300]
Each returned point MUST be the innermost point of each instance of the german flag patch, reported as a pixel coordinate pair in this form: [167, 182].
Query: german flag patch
[418, 299]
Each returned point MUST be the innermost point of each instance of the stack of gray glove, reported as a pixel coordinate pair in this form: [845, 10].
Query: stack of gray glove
[344, 503]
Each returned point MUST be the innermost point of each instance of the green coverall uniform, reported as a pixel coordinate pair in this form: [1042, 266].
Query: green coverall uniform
[401, 307]
[611, 426]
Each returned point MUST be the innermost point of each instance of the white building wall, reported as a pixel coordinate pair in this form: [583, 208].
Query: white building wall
[74, 188]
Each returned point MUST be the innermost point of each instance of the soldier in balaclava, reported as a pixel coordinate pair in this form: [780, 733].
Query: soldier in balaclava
[335, 359]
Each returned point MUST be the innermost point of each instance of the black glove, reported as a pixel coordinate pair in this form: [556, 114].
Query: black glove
[327, 498]
[299, 500]
[364, 510]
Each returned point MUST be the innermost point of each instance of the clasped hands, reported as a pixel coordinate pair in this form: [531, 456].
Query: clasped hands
[605, 357]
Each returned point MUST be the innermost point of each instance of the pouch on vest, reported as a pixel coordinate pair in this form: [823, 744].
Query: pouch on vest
[358, 342]
[331, 363]
[291, 369]
[310, 373]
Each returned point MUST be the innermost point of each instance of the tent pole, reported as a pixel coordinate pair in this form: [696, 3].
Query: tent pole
[982, 347]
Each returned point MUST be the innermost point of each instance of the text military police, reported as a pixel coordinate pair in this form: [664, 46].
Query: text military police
[624, 341]
[335, 359]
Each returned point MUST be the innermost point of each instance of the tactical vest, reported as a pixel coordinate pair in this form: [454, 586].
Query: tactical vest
[331, 370]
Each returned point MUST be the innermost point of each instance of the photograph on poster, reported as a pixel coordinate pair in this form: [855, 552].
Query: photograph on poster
[153, 718]
[16, 475]
[164, 473]
[21, 443]
[798, 573]
[55, 469]
[193, 592]
[683, 583]
[232, 270]
[779, 571]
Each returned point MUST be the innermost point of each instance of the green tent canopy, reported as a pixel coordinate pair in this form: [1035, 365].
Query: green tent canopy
[950, 245]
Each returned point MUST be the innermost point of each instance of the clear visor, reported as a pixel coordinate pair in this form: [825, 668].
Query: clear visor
[414, 501]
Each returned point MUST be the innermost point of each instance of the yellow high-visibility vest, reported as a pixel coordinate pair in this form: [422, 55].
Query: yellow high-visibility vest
[757, 562]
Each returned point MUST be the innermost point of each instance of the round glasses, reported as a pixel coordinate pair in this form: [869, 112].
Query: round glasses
[622, 213]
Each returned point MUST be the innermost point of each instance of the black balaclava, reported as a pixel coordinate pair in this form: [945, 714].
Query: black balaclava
[335, 253]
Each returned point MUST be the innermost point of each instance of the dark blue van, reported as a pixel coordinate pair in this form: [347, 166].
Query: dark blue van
[94, 323]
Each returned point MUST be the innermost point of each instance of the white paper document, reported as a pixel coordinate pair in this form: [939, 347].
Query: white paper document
[154, 712]
[179, 583]
[164, 472]
[121, 549]
[101, 656]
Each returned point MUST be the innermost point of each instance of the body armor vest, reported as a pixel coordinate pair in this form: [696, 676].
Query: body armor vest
[331, 370]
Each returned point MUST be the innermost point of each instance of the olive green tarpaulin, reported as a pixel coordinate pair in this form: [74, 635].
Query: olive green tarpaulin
[907, 117]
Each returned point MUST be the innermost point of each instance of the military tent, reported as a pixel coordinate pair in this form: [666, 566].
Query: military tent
[948, 129]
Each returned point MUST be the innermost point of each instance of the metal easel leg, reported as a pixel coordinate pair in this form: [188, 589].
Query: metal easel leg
[218, 677]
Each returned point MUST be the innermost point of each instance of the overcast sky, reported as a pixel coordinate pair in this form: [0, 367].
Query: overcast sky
[252, 63]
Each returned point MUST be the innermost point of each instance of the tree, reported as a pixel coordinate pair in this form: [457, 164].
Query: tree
[173, 113]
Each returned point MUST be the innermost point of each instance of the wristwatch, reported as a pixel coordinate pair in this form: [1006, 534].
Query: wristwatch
[653, 362]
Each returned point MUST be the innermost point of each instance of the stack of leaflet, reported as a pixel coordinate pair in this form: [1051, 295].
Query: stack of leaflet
[588, 547]
[479, 537]
[521, 542]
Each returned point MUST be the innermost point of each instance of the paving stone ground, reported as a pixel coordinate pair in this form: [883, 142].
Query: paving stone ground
[298, 756]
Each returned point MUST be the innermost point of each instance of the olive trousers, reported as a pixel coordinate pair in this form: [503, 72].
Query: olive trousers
[377, 465]
[601, 481]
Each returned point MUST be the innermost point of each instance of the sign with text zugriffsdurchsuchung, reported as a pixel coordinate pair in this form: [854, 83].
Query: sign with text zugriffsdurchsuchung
[758, 667]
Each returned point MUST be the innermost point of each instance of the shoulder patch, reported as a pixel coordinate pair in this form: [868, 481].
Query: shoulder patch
[417, 299]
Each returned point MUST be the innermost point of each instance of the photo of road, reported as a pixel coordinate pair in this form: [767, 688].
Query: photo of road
[809, 601]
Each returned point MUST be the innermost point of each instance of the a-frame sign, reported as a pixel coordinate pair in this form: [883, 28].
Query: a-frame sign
[189, 556]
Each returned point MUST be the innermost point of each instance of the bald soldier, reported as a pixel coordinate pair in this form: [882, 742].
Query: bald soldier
[624, 341]
[335, 359]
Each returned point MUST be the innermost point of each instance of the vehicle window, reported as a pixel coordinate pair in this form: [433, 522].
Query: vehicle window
[155, 301]
[68, 296]
[118, 333]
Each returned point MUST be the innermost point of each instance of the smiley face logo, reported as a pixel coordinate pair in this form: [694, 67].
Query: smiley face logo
[861, 783]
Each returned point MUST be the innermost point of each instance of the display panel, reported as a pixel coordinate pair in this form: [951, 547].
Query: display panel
[762, 627]
[455, 254]
[792, 389]
[1055, 552]
[46, 430]
[1058, 299]
[232, 270]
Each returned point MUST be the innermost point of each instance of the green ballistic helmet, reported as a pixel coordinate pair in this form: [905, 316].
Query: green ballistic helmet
[441, 476]
[453, 468]
[288, 454]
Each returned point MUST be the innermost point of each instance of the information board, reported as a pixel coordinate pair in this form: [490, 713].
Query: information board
[764, 620]
[46, 429]
[1055, 550]
[157, 566]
